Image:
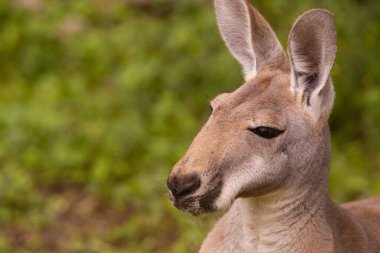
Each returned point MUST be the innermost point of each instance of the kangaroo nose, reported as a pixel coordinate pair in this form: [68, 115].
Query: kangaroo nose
[184, 185]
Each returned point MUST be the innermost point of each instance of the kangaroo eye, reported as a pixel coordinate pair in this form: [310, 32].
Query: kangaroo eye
[266, 132]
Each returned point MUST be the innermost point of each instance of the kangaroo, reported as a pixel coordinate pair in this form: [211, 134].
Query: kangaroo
[263, 155]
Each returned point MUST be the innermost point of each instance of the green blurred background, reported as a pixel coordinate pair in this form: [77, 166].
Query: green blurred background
[99, 98]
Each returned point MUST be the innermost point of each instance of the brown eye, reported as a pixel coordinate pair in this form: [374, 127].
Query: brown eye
[266, 132]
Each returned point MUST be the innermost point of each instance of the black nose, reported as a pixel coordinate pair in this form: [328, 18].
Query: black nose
[183, 185]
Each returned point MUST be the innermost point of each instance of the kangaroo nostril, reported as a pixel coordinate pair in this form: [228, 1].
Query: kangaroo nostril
[188, 187]
[184, 185]
[171, 185]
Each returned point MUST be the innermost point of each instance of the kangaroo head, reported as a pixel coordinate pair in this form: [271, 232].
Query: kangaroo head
[272, 131]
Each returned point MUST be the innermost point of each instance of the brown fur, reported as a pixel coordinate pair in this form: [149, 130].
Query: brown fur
[274, 190]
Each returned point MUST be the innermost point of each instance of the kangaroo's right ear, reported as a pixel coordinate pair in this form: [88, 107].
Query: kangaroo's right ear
[312, 49]
[248, 36]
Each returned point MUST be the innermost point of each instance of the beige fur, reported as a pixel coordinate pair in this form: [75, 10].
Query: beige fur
[274, 190]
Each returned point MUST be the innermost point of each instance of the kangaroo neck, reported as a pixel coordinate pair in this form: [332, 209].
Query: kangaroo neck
[287, 220]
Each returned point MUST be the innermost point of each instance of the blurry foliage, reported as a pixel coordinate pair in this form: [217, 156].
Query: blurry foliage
[100, 98]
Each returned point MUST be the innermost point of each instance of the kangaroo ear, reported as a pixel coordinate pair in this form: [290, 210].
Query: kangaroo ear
[248, 36]
[312, 50]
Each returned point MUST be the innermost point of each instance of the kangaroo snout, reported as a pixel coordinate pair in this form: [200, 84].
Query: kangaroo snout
[183, 185]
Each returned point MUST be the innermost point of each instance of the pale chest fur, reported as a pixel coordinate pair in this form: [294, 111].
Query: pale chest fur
[235, 232]
[238, 243]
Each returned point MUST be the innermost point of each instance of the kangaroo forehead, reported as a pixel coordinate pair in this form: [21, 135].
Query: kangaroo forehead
[266, 90]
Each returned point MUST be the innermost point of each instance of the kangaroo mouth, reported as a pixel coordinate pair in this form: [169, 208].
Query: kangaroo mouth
[204, 203]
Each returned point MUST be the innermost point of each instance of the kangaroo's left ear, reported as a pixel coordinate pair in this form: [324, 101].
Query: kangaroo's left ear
[312, 49]
[247, 34]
